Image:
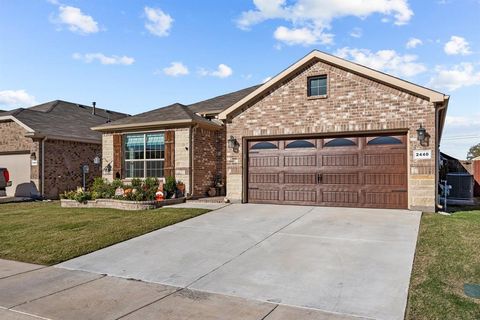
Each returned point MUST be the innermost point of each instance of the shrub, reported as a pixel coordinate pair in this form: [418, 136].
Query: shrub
[136, 183]
[82, 196]
[102, 189]
[170, 186]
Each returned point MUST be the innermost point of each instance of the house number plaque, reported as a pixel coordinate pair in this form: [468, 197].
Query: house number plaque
[422, 154]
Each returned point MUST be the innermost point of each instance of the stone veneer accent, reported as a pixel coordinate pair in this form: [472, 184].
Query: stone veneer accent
[182, 157]
[63, 161]
[107, 156]
[354, 104]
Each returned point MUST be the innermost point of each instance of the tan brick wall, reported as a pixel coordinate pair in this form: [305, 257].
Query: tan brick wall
[107, 156]
[12, 137]
[63, 160]
[354, 104]
[182, 156]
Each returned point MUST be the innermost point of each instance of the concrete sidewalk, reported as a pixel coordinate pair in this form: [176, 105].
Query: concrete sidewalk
[30, 292]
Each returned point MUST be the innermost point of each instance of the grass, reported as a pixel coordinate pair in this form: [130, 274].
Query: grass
[447, 257]
[45, 233]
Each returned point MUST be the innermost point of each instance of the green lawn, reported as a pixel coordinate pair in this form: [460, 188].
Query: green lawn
[45, 233]
[447, 256]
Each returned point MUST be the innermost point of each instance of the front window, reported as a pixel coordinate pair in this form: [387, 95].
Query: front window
[317, 86]
[144, 155]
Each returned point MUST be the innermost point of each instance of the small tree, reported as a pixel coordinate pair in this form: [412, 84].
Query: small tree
[473, 152]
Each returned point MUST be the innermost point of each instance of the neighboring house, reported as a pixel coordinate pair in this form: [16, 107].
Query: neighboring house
[476, 176]
[44, 146]
[325, 131]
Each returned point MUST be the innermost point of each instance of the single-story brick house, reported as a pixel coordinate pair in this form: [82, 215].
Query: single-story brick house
[44, 146]
[325, 131]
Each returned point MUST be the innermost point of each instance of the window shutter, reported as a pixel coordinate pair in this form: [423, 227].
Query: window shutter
[117, 155]
[169, 164]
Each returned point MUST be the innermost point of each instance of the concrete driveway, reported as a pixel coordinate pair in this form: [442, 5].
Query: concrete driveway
[353, 262]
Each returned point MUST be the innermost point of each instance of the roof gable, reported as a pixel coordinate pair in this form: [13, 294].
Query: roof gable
[430, 95]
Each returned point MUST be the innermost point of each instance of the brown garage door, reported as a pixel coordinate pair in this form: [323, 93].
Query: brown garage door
[364, 171]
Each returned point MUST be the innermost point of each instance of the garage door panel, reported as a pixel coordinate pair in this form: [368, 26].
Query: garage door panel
[340, 160]
[353, 172]
[301, 161]
[341, 178]
[264, 161]
[385, 199]
[264, 178]
[300, 178]
[259, 195]
[385, 179]
[301, 196]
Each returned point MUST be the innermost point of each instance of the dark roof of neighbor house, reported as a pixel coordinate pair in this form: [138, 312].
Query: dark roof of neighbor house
[178, 113]
[220, 103]
[64, 120]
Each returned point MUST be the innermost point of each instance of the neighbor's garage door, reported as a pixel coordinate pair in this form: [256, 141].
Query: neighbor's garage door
[366, 172]
[18, 166]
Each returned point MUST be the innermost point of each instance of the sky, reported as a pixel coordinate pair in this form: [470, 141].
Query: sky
[137, 55]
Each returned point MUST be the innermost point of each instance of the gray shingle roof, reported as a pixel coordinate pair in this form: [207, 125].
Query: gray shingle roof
[220, 103]
[63, 119]
[178, 112]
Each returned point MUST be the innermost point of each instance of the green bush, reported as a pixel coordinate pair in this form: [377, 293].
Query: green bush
[102, 189]
[170, 186]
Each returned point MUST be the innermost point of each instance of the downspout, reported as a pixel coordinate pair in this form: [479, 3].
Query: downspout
[437, 162]
[192, 163]
[43, 167]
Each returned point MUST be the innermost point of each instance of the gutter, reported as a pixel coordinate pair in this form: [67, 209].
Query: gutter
[143, 125]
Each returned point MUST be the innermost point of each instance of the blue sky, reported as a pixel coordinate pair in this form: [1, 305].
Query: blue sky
[134, 56]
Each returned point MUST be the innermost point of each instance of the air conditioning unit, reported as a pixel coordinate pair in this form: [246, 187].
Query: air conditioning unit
[462, 185]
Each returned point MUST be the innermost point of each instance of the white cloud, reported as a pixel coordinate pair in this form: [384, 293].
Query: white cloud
[16, 98]
[76, 20]
[356, 32]
[460, 75]
[384, 60]
[462, 121]
[176, 69]
[303, 36]
[103, 59]
[223, 71]
[413, 43]
[159, 23]
[457, 46]
[316, 16]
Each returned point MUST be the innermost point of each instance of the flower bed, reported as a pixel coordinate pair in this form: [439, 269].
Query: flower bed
[136, 195]
[120, 204]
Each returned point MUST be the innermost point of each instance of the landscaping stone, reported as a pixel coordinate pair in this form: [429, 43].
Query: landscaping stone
[120, 204]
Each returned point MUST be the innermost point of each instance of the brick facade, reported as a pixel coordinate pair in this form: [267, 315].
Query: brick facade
[63, 161]
[208, 154]
[354, 104]
[12, 138]
[208, 160]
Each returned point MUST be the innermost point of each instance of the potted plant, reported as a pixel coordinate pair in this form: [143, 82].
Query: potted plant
[180, 188]
[169, 187]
